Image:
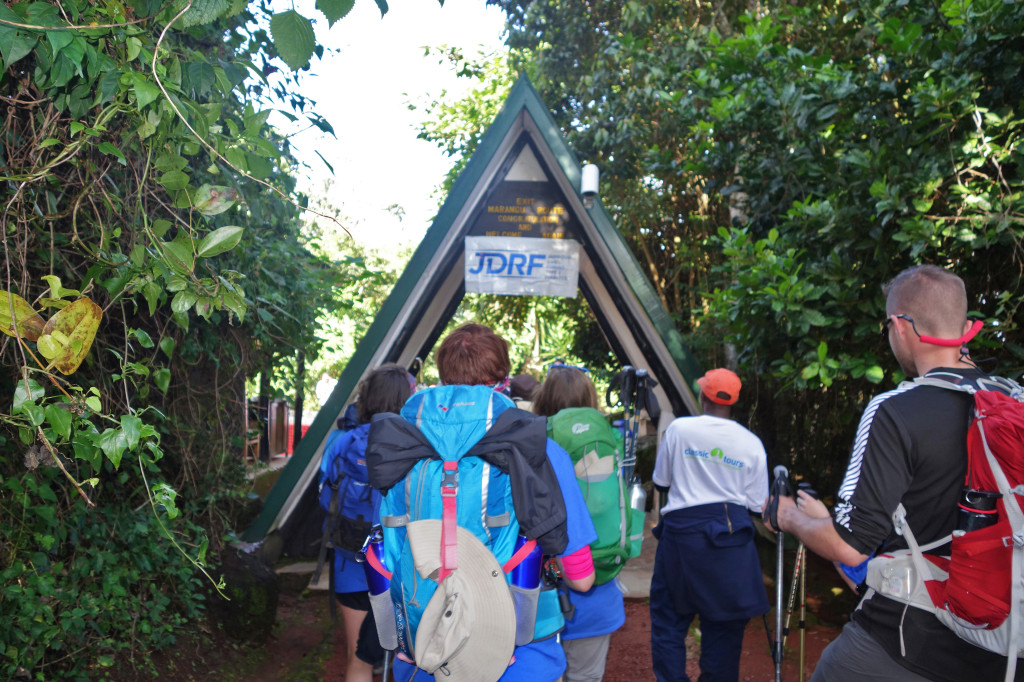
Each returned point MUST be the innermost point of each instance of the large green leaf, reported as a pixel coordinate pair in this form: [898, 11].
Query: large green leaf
[162, 378]
[335, 9]
[173, 180]
[183, 302]
[113, 442]
[220, 240]
[178, 256]
[293, 38]
[26, 393]
[57, 289]
[164, 495]
[145, 90]
[59, 39]
[13, 44]
[60, 420]
[204, 11]
[132, 426]
[86, 449]
[200, 76]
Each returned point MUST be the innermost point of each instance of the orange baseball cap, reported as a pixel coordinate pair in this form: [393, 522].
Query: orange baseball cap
[720, 386]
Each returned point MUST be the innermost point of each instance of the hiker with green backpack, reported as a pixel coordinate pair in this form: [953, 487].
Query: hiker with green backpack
[569, 400]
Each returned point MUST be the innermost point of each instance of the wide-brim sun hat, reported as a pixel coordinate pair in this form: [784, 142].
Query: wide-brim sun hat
[467, 631]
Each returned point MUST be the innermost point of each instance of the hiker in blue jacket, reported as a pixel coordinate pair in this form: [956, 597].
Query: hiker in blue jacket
[600, 610]
[470, 358]
[385, 389]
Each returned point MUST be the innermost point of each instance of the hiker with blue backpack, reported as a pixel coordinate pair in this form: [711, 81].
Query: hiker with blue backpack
[922, 479]
[474, 495]
[713, 473]
[568, 399]
[351, 508]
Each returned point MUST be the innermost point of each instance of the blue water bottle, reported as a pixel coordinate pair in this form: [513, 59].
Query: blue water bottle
[379, 586]
[525, 587]
[376, 582]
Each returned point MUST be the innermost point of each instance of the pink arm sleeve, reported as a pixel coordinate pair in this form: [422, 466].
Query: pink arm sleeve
[578, 565]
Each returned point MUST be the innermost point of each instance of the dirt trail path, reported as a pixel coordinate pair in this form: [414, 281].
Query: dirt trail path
[307, 647]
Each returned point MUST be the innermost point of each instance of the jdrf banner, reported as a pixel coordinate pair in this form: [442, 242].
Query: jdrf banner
[521, 266]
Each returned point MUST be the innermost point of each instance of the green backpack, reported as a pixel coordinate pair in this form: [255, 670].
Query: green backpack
[596, 450]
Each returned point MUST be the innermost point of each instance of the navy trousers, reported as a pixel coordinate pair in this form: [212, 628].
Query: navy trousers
[706, 565]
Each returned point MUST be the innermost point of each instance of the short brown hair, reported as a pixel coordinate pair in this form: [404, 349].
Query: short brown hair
[385, 389]
[472, 355]
[934, 297]
[564, 387]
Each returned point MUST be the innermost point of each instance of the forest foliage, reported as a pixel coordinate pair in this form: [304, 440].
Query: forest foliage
[154, 258]
[772, 165]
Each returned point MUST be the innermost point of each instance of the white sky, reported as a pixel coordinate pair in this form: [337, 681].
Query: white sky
[363, 90]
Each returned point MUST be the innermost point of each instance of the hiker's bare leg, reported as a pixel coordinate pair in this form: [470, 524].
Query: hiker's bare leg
[355, 670]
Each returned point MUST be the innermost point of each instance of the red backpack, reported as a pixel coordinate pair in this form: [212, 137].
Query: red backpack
[977, 590]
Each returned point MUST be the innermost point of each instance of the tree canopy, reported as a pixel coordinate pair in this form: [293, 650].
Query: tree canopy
[773, 164]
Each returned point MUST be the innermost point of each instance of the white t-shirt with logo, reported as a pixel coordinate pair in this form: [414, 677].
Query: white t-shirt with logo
[703, 460]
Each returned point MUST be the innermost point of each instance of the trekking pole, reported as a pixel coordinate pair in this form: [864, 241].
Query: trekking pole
[803, 617]
[797, 573]
[625, 382]
[803, 587]
[644, 400]
[639, 392]
[777, 654]
[780, 487]
[628, 397]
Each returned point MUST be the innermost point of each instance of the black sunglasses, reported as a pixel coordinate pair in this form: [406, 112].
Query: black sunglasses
[562, 365]
[888, 321]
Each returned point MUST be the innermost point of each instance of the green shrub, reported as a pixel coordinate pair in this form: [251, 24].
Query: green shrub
[87, 590]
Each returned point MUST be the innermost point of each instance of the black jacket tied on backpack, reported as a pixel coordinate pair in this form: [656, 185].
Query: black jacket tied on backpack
[516, 444]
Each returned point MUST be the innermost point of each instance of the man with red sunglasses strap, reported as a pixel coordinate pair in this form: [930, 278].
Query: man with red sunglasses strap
[910, 448]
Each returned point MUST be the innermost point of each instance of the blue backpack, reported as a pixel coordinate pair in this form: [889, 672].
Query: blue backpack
[454, 420]
[345, 496]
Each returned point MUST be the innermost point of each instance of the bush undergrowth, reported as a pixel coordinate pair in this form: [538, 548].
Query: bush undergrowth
[101, 589]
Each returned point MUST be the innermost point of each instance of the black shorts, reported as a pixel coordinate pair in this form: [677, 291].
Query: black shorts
[368, 648]
[360, 601]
